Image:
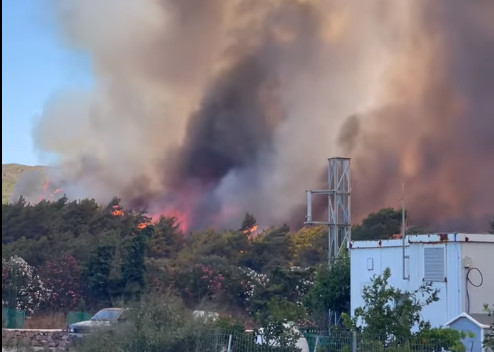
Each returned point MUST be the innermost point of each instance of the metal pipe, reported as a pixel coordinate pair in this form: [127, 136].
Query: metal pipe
[308, 217]
[229, 343]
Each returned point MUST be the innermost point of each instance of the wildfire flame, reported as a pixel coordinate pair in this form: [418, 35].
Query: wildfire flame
[181, 218]
[250, 230]
[143, 225]
[116, 211]
[47, 193]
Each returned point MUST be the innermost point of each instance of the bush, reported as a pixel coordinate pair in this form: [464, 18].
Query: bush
[162, 323]
[21, 287]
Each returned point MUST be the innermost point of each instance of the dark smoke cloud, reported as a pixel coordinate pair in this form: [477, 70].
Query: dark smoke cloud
[232, 129]
[209, 109]
[437, 136]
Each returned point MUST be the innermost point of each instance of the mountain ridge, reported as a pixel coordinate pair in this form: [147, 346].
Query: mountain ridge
[10, 176]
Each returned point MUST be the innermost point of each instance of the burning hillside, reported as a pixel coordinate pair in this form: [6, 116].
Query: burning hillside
[207, 109]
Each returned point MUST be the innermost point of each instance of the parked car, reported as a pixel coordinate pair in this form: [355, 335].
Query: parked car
[105, 318]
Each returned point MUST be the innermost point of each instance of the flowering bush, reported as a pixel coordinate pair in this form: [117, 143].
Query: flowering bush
[240, 284]
[61, 278]
[200, 282]
[303, 278]
[252, 280]
[21, 287]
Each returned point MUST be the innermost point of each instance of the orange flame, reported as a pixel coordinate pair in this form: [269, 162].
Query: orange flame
[142, 225]
[117, 212]
[250, 230]
[48, 194]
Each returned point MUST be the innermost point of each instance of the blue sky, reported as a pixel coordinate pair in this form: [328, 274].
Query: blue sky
[35, 65]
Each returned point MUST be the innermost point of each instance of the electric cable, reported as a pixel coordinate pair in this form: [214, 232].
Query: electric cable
[468, 280]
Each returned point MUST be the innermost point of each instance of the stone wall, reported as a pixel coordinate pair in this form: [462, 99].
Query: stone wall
[55, 339]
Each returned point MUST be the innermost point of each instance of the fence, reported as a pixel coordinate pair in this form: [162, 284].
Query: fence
[227, 341]
[13, 319]
[348, 341]
[345, 341]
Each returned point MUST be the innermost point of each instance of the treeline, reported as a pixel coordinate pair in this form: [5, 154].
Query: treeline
[88, 256]
[83, 255]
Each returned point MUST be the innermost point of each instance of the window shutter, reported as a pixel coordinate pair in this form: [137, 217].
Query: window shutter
[434, 264]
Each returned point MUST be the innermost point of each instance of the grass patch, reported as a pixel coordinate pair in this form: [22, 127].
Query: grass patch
[46, 321]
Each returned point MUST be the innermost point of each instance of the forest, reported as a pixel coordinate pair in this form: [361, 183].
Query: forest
[61, 256]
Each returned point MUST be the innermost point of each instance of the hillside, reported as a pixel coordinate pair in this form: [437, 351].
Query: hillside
[10, 176]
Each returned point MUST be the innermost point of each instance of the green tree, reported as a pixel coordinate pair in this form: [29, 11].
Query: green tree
[283, 294]
[390, 312]
[331, 291]
[166, 239]
[268, 250]
[96, 275]
[489, 336]
[309, 246]
[381, 225]
[133, 266]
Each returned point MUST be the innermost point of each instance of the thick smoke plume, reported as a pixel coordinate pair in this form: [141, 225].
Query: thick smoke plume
[208, 109]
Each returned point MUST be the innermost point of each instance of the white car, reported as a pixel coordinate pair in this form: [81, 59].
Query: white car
[103, 319]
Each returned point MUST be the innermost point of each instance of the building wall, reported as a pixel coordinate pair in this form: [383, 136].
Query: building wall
[473, 344]
[482, 258]
[438, 313]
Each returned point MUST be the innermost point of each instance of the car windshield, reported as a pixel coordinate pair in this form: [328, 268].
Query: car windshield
[107, 314]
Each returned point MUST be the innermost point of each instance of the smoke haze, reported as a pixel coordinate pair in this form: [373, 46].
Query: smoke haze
[208, 109]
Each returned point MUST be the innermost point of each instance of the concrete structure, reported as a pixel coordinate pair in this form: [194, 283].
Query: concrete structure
[478, 324]
[461, 266]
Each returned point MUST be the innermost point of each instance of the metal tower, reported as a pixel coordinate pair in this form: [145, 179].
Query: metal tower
[339, 214]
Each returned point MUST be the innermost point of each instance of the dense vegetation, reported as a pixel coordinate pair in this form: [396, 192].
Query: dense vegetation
[88, 256]
[79, 255]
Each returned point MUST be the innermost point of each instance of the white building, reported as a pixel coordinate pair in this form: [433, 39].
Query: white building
[461, 266]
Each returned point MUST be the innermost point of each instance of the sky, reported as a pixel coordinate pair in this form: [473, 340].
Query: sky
[35, 65]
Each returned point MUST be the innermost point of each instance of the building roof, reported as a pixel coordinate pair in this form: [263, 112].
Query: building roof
[425, 238]
[483, 320]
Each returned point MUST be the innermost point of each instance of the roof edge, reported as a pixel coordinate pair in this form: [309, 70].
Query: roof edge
[472, 319]
[425, 238]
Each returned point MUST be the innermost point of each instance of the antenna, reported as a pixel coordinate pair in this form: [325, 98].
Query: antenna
[403, 232]
[339, 206]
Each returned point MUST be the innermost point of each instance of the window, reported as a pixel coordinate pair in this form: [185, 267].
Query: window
[370, 264]
[434, 264]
